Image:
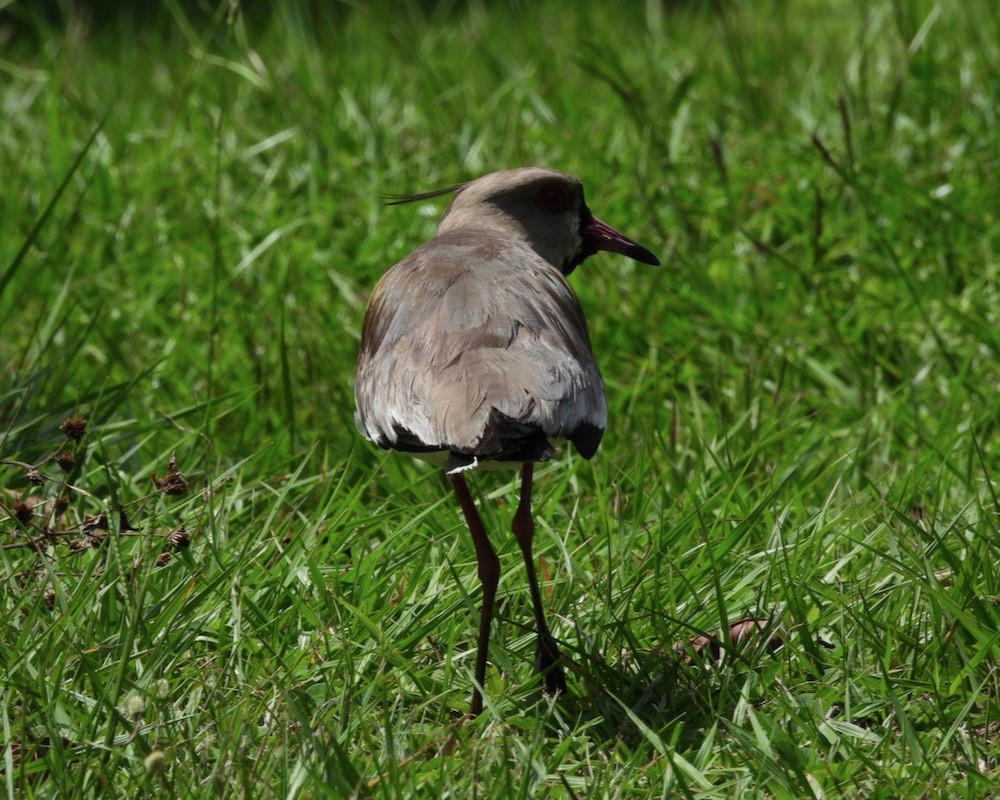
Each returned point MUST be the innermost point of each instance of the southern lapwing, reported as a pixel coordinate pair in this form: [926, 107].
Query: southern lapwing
[475, 353]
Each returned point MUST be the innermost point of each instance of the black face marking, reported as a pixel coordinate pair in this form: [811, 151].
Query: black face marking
[554, 198]
[587, 248]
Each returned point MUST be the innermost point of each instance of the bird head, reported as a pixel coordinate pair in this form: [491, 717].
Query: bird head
[545, 209]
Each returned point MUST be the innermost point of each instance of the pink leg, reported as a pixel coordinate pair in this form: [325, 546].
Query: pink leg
[489, 576]
[546, 650]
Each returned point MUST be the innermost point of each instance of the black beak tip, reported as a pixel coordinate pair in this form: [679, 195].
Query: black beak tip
[643, 256]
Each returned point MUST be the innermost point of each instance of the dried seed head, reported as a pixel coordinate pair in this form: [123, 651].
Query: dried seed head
[34, 477]
[174, 482]
[135, 706]
[180, 538]
[59, 506]
[65, 460]
[163, 559]
[95, 522]
[74, 428]
[154, 762]
[22, 512]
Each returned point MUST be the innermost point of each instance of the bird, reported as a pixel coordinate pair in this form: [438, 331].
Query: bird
[475, 354]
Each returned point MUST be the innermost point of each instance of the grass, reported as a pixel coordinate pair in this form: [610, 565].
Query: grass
[803, 404]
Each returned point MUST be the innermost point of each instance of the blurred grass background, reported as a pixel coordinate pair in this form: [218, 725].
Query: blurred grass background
[803, 401]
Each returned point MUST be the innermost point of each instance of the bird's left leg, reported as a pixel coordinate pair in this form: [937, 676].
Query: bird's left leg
[546, 651]
[488, 568]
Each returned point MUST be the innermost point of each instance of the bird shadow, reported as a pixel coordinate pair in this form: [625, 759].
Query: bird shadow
[643, 691]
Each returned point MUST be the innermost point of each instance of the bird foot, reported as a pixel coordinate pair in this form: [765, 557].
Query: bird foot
[547, 664]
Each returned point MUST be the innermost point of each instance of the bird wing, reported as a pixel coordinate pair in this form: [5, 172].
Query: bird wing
[475, 344]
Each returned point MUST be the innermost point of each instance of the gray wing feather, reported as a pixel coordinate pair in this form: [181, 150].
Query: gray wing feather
[470, 323]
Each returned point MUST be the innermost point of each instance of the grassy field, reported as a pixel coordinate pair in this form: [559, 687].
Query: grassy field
[217, 589]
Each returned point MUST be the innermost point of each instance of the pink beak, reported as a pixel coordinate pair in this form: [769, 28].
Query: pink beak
[601, 236]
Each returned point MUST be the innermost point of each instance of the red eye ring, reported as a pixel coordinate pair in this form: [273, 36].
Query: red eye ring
[554, 198]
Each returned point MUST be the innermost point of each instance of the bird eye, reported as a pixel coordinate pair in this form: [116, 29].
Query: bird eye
[554, 198]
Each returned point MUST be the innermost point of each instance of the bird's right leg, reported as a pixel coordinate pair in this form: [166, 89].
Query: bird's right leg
[547, 656]
[489, 575]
